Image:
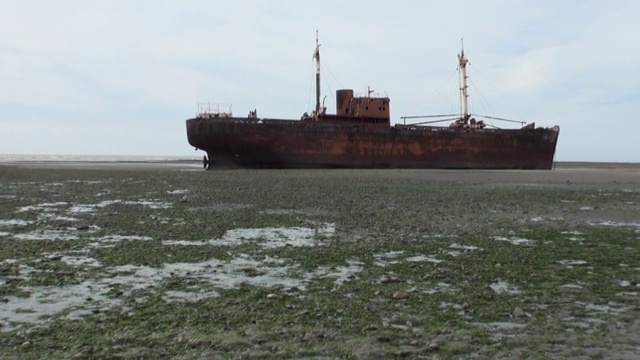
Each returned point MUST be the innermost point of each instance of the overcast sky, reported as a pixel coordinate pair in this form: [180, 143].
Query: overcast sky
[121, 77]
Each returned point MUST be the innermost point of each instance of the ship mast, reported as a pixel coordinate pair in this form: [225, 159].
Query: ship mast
[462, 65]
[316, 57]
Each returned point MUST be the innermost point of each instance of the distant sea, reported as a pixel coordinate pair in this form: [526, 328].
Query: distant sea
[12, 158]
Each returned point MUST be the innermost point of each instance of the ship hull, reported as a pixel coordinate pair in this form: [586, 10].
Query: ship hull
[269, 143]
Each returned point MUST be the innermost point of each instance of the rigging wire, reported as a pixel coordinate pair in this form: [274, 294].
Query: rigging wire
[497, 118]
[478, 95]
[330, 91]
[433, 121]
[311, 87]
[435, 93]
[325, 66]
[455, 96]
[499, 95]
[426, 116]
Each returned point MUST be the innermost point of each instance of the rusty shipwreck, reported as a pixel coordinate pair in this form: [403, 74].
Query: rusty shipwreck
[360, 135]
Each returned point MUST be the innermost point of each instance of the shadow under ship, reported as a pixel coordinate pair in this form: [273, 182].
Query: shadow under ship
[360, 135]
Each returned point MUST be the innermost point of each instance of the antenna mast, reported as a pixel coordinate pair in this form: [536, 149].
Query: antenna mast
[462, 65]
[316, 57]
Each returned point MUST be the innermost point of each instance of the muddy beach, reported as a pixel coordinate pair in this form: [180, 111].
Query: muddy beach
[163, 260]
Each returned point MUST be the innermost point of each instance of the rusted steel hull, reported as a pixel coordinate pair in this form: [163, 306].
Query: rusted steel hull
[269, 143]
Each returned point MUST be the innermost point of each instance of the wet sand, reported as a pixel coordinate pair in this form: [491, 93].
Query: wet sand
[564, 173]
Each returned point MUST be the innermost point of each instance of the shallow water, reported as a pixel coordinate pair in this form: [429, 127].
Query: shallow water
[514, 240]
[503, 287]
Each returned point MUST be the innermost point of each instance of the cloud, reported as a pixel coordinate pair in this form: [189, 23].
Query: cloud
[128, 69]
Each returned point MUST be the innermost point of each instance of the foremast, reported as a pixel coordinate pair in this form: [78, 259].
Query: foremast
[316, 58]
[464, 96]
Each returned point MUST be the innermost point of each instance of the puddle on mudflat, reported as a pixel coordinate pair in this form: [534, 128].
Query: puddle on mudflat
[91, 294]
[168, 220]
[46, 301]
[423, 258]
[584, 323]
[268, 238]
[497, 326]
[381, 258]
[177, 191]
[47, 235]
[14, 222]
[90, 182]
[88, 208]
[599, 308]
[440, 287]
[9, 261]
[219, 273]
[575, 239]
[501, 330]
[221, 207]
[571, 286]
[54, 217]
[341, 273]
[42, 207]
[4, 233]
[540, 219]
[461, 249]
[609, 308]
[444, 305]
[570, 263]
[514, 240]
[502, 287]
[79, 260]
[441, 236]
[186, 242]
[281, 212]
[608, 223]
[464, 247]
[110, 241]
[79, 209]
[304, 212]
[390, 254]
[77, 300]
[188, 296]
[448, 305]
[276, 237]
[625, 283]
[53, 184]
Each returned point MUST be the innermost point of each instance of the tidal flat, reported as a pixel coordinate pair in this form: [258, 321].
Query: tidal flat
[169, 262]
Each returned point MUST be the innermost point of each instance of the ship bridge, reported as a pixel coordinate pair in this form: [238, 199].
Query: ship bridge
[362, 106]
